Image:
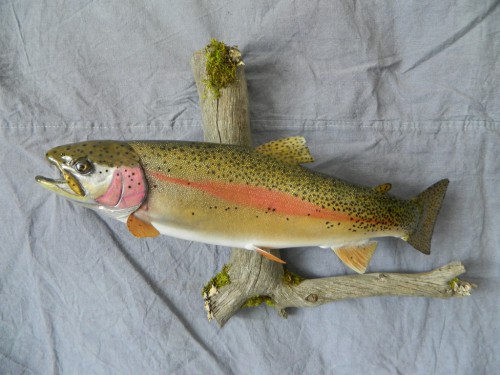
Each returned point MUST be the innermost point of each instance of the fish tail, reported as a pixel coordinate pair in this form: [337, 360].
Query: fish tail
[430, 202]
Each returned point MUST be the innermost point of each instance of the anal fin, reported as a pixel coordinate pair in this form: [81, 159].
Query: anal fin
[357, 255]
[266, 254]
[140, 228]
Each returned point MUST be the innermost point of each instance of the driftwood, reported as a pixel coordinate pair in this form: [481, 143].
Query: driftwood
[249, 279]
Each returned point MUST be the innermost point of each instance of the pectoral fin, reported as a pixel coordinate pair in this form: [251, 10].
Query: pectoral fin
[291, 150]
[140, 228]
[357, 255]
[266, 254]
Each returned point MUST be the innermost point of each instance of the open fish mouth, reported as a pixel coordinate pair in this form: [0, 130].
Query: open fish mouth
[67, 186]
[54, 185]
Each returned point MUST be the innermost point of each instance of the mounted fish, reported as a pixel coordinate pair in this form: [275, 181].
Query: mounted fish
[256, 199]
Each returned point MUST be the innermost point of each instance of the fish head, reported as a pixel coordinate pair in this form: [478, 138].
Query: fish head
[102, 175]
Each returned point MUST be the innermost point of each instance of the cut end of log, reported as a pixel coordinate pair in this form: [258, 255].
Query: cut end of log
[460, 288]
[212, 288]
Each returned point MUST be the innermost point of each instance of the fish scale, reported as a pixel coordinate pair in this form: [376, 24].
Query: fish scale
[244, 166]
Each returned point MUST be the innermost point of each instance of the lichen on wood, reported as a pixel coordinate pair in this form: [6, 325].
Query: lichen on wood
[218, 281]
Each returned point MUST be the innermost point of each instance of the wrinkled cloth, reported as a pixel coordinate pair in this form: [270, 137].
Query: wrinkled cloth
[405, 93]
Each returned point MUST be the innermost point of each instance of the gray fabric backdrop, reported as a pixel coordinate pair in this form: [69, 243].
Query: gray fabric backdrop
[401, 92]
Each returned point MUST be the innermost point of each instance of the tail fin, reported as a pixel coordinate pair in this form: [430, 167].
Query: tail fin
[430, 201]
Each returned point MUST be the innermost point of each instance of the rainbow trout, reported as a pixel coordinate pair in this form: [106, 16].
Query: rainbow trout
[256, 199]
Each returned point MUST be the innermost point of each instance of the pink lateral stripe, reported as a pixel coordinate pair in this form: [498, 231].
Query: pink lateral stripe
[258, 197]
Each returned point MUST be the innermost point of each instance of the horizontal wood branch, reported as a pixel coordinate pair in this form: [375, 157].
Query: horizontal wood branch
[280, 293]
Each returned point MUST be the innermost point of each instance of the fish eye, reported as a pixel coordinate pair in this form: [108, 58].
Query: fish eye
[83, 166]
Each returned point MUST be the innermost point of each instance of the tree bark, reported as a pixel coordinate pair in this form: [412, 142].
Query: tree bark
[252, 277]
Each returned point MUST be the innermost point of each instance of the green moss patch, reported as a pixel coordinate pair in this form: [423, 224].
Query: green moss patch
[453, 283]
[257, 301]
[221, 68]
[291, 278]
[218, 281]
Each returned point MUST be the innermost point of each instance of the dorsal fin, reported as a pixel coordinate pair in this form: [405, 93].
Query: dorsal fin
[291, 150]
[384, 188]
[140, 228]
[357, 255]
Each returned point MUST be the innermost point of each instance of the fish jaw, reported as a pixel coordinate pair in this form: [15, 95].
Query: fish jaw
[67, 187]
[60, 187]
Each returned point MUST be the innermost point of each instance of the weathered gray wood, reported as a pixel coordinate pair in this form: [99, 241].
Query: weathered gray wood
[225, 120]
[439, 283]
